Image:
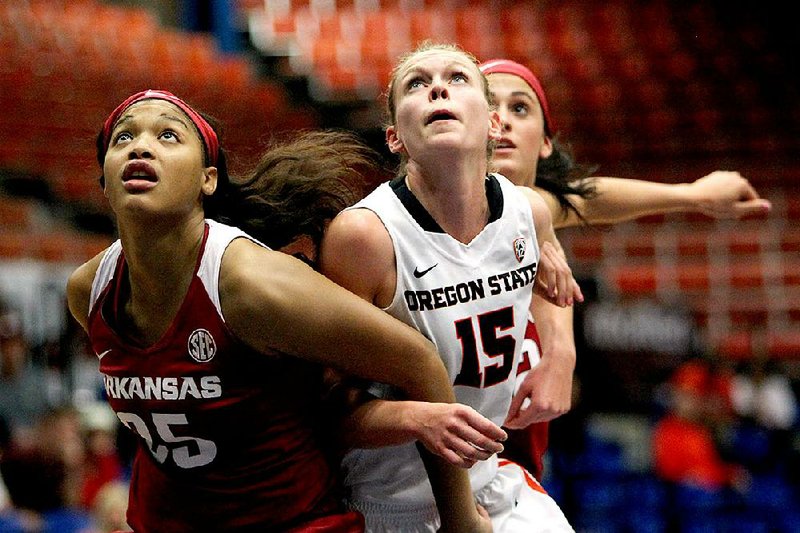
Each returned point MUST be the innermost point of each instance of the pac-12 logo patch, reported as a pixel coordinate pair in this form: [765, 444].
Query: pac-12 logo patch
[201, 346]
[519, 248]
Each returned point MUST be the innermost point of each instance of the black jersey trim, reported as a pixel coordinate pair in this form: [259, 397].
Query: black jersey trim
[494, 195]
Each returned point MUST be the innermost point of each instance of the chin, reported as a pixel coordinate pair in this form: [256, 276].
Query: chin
[502, 167]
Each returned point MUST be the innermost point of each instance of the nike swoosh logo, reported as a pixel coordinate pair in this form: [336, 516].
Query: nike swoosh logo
[419, 274]
[101, 355]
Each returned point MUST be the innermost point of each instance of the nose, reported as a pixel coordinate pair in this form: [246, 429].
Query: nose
[438, 91]
[505, 123]
[139, 148]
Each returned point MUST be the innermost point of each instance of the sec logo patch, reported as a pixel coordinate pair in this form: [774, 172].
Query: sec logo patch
[201, 346]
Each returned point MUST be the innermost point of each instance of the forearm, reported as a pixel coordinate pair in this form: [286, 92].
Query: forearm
[621, 199]
[556, 332]
[376, 423]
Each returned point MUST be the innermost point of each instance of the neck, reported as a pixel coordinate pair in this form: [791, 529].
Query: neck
[455, 196]
[160, 261]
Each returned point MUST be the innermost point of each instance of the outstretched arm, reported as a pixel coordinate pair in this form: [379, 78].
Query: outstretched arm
[720, 194]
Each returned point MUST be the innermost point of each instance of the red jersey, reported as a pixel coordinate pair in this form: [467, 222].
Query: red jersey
[226, 434]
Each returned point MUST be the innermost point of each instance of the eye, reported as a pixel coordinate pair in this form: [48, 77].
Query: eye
[519, 109]
[169, 135]
[122, 136]
[460, 77]
[415, 83]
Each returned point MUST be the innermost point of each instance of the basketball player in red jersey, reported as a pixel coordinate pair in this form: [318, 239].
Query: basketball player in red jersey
[208, 343]
[529, 153]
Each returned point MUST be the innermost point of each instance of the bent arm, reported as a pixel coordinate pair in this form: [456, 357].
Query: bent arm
[274, 302]
[548, 385]
[720, 194]
[452, 431]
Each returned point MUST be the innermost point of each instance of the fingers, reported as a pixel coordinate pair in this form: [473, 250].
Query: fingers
[488, 429]
[468, 453]
[554, 280]
[482, 512]
[748, 192]
[577, 293]
[463, 436]
[531, 415]
[515, 407]
[454, 459]
[482, 443]
[752, 207]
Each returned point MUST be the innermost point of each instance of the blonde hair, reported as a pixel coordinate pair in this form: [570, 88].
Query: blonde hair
[408, 57]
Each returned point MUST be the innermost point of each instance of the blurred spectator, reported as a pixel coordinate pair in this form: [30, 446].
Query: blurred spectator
[101, 463]
[110, 507]
[5, 440]
[762, 392]
[23, 391]
[43, 475]
[684, 449]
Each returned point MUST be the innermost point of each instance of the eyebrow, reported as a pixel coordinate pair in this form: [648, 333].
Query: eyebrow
[168, 116]
[517, 94]
[453, 65]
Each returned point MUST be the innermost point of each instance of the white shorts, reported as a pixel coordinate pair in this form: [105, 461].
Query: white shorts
[515, 501]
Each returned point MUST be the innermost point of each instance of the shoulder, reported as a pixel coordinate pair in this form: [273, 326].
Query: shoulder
[252, 277]
[79, 288]
[550, 200]
[360, 226]
[540, 209]
[245, 263]
[357, 252]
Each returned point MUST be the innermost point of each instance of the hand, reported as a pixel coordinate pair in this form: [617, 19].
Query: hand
[456, 432]
[554, 281]
[545, 394]
[724, 194]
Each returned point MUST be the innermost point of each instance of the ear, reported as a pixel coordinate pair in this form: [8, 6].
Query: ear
[546, 150]
[209, 181]
[393, 141]
[495, 126]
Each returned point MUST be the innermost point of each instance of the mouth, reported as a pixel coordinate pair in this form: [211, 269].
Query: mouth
[504, 144]
[440, 115]
[139, 171]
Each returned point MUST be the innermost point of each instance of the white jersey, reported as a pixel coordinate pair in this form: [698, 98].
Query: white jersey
[472, 301]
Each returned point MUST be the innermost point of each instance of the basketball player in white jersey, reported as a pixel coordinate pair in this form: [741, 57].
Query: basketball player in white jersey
[453, 252]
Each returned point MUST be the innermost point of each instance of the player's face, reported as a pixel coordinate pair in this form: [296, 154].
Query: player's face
[440, 104]
[154, 162]
[523, 140]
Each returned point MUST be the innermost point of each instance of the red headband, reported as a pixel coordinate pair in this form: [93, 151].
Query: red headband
[506, 66]
[207, 134]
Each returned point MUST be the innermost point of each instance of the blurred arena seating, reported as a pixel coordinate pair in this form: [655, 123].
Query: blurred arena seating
[626, 78]
[66, 64]
[645, 89]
